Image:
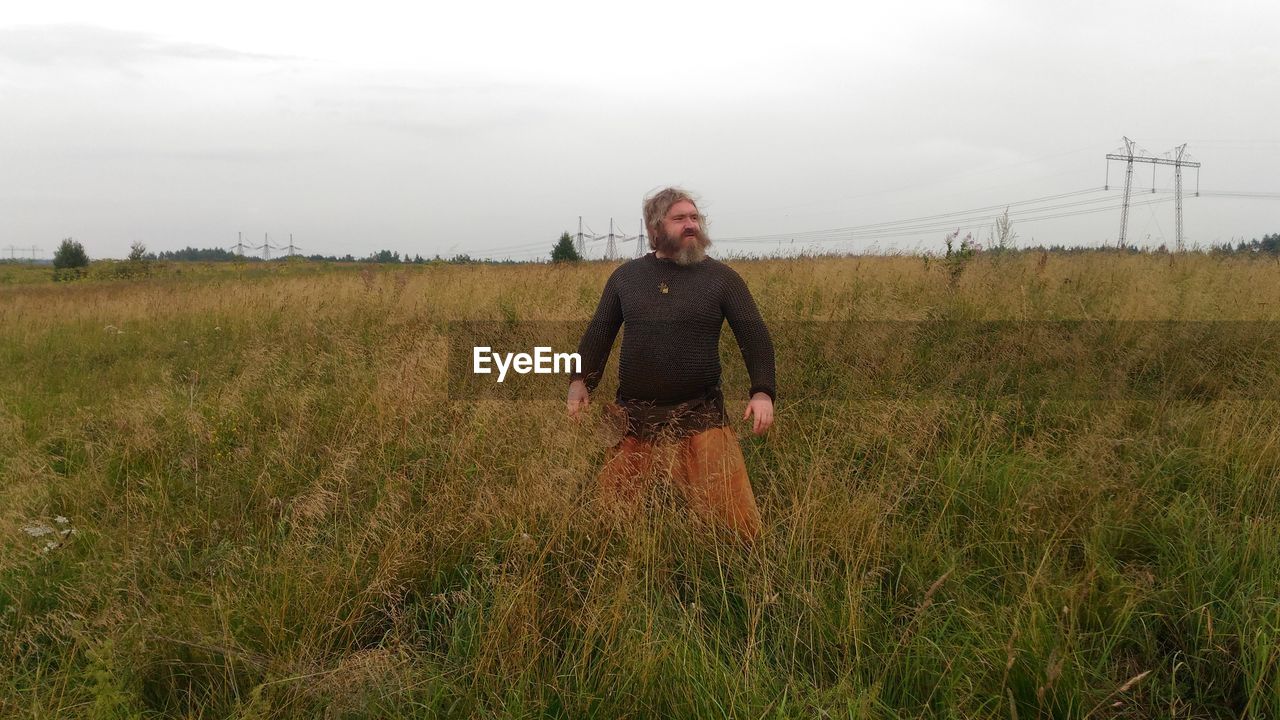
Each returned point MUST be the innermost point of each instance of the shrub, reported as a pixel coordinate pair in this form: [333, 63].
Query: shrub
[564, 251]
[70, 254]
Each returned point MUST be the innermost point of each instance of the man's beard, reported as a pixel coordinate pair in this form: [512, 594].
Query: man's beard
[680, 250]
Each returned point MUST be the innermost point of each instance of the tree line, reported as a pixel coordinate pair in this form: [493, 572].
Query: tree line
[71, 253]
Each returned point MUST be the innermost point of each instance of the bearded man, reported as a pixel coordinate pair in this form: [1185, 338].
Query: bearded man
[674, 302]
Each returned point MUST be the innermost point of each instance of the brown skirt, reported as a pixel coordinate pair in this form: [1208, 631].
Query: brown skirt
[652, 421]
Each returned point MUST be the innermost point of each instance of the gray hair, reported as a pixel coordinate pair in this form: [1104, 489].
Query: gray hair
[658, 203]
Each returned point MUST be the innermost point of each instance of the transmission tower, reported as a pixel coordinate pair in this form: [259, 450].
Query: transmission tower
[14, 250]
[266, 247]
[1177, 193]
[1128, 185]
[615, 239]
[1178, 163]
[291, 249]
[640, 240]
[240, 247]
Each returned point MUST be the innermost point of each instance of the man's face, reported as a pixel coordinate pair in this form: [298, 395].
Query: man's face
[680, 236]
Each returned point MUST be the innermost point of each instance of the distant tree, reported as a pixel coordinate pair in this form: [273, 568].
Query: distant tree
[137, 251]
[70, 254]
[384, 256]
[564, 251]
[1270, 244]
[203, 254]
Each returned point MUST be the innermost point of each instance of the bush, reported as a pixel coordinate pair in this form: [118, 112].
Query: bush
[957, 259]
[119, 270]
[70, 254]
[564, 251]
[68, 274]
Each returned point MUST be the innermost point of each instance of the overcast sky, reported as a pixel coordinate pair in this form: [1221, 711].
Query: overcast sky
[488, 128]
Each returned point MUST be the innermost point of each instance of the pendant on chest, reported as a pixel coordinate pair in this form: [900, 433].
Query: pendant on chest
[662, 287]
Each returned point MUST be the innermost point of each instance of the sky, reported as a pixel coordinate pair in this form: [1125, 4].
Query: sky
[489, 129]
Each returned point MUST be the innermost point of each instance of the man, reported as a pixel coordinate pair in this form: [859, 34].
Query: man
[674, 302]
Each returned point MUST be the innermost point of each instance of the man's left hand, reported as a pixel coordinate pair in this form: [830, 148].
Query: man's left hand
[761, 406]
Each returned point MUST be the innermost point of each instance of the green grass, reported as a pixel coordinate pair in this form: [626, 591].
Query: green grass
[280, 512]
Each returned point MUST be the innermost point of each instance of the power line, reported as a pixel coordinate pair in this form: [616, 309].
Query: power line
[770, 237]
[1240, 194]
[1213, 193]
[513, 248]
[927, 222]
[13, 251]
[934, 181]
[924, 229]
[1032, 210]
[963, 218]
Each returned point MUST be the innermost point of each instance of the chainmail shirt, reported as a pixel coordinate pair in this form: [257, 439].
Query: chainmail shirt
[669, 365]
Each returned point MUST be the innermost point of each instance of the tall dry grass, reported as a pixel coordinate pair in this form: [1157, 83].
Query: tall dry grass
[280, 511]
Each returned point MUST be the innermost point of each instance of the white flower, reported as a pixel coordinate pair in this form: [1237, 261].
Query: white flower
[37, 530]
[61, 520]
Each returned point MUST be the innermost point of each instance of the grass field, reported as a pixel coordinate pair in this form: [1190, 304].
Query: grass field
[1017, 486]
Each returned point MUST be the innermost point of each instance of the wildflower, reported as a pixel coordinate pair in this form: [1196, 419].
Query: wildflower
[61, 520]
[37, 530]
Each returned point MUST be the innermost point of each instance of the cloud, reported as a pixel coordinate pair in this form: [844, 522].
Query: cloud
[100, 47]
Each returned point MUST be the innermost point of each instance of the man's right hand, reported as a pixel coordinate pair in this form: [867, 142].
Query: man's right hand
[578, 398]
